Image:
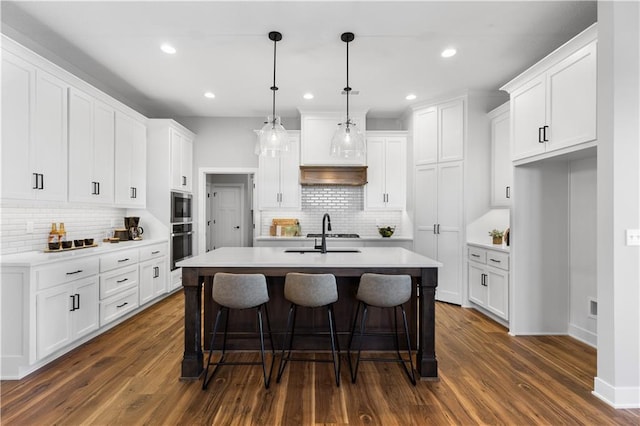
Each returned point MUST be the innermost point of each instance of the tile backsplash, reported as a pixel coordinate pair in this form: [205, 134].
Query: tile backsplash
[79, 222]
[345, 205]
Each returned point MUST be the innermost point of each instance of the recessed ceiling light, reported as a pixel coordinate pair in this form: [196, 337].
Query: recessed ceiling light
[167, 48]
[308, 96]
[209, 95]
[410, 97]
[447, 53]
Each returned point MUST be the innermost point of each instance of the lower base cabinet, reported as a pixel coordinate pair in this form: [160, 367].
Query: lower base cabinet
[488, 274]
[176, 279]
[49, 308]
[65, 313]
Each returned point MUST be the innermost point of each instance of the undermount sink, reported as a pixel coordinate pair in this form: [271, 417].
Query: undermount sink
[302, 251]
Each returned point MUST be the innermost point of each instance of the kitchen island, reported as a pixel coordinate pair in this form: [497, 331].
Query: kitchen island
[276, 262]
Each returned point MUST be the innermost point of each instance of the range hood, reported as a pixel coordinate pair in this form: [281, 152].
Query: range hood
[333, 175]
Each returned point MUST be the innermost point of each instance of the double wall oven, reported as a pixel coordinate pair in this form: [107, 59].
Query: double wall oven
[181, 227]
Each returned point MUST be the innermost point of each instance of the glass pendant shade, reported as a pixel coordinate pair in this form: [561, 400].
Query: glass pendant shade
[348, 141]
[274, 140]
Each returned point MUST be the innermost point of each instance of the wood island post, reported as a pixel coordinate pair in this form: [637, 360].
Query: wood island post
[426, 362]
[192, 358]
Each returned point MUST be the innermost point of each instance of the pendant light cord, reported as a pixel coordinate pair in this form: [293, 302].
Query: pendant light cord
[274, 87]
[347, 89]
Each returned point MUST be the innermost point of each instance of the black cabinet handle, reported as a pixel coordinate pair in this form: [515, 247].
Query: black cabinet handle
[73, 303]
[483, 279]
[156, 272]
[434, 228]
[122, 280]
[123, 260]
[74, 272]
[35, 184]
[155, 252]
[78, 299]
[475, 255]
[124, 304]
[438, 228]
[544, 133]
[41, 181]
[495, 260]
[508, 192]
[184, 180]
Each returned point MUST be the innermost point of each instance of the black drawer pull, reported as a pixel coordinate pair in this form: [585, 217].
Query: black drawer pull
[475, 255]
[155, 252]
[123, 280]
[74, 272]
[494, 260]
[123, 260]
[120, 306]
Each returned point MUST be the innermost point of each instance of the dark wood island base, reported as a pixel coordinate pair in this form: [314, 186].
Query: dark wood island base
[420, 311]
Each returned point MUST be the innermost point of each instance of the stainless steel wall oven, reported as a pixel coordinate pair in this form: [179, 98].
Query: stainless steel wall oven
[181, 242]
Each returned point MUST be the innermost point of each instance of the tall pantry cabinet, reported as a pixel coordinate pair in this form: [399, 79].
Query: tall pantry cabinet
[444, 169]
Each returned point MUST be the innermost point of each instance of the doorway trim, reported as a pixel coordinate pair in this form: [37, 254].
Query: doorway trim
[202, 196]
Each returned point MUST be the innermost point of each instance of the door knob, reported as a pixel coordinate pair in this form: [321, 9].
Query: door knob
[237, 227]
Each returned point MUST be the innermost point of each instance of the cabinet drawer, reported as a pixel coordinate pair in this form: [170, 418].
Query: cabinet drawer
[477, 255]
[117, 306]
[498, 260]
[118, 280]
[118, 260]
[151, 252]
[50, 276]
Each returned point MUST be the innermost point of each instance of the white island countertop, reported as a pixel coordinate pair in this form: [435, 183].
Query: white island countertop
[365, 257]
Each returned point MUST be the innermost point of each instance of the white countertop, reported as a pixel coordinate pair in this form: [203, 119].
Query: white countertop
[367, 257]
[497, 247]
[362, 238]
[36, 258]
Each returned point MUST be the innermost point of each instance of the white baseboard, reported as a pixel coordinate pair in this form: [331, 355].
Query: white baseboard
[617, 397]
[585, 336]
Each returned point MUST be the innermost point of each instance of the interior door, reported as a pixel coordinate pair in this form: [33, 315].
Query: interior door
[228, 214]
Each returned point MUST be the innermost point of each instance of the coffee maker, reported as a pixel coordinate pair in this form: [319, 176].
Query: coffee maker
[134, 231]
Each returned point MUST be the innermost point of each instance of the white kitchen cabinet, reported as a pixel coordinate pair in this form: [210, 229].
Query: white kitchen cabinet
[65, 313]
[553, 104]
[501, 163]
[316, 133]
[118, 279]
[34, 132]
[153, 272]
[279, 178]
[439, 223]
[91, 149]
[181, 161]
[175, 279]
[130, 162]
[386, 171]
[488, 275]
[439, 132]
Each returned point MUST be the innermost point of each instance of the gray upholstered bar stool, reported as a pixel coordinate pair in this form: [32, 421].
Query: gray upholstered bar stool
[240, 291]
[310, 291]
[382, 291]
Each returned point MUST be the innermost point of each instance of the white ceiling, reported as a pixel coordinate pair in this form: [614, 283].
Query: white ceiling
[223, 47]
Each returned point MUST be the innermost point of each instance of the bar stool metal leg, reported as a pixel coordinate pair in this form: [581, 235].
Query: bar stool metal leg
[290, 325]
[334, 343]
[205, 382]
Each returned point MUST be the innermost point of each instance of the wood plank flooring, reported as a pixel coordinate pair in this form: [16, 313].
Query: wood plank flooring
[129, 375]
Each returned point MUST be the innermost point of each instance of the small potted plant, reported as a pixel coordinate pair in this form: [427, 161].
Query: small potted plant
[497, 236]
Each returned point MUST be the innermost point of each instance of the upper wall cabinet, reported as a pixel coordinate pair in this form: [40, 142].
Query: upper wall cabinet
[91, 149]
[386, 171]
[316, 132]
[181, 161]
[34, 132]
[279, 179]
[130, 162]
[440, 132]
[553, 104]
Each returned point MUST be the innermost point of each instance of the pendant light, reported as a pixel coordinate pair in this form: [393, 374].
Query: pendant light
[348, 141]
[274, 140]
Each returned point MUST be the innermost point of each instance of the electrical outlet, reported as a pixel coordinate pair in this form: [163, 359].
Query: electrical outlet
[633, 237]
[29, 227]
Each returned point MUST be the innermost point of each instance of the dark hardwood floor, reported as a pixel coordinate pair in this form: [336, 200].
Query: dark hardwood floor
[129, 375]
